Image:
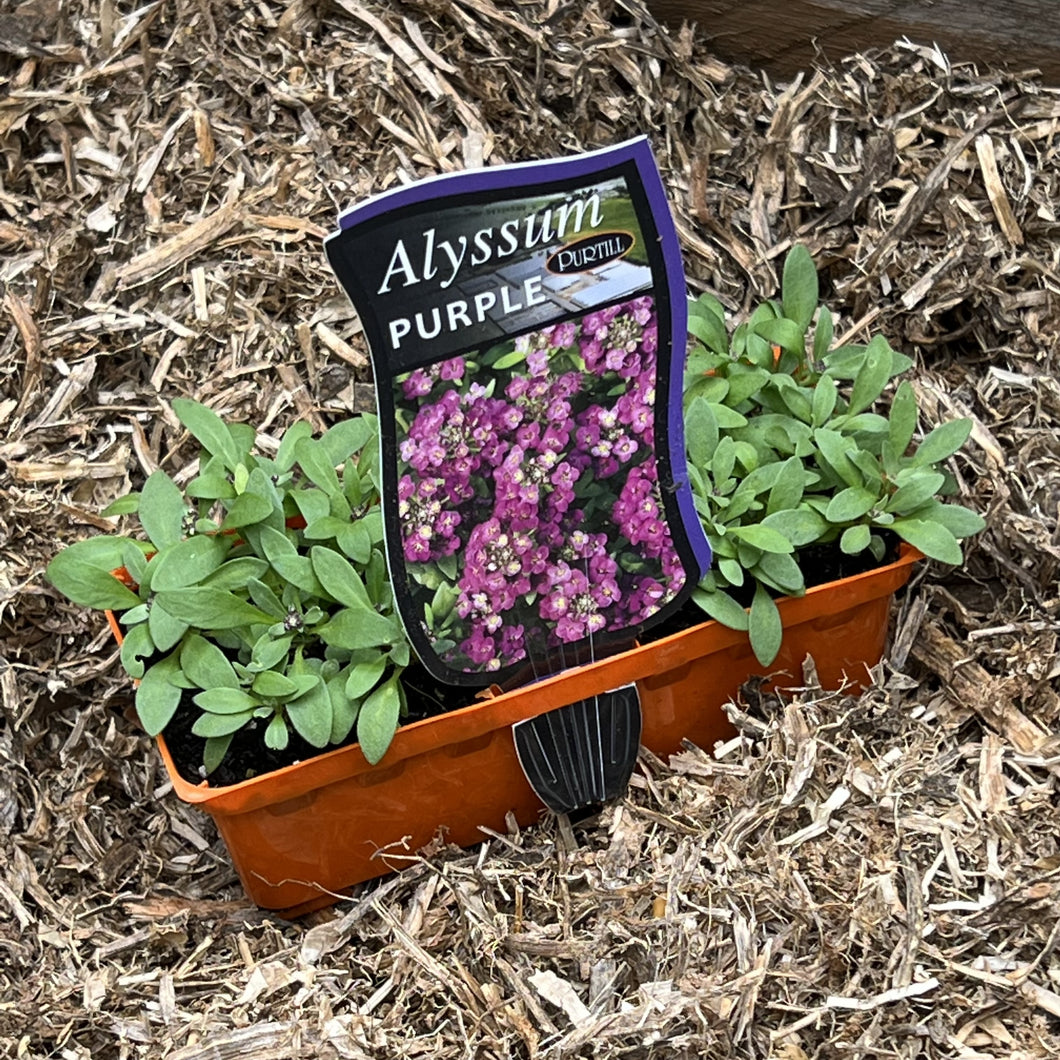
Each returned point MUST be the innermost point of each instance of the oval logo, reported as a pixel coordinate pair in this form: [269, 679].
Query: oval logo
[590, 252]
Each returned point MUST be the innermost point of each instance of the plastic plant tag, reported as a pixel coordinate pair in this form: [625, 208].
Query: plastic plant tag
[582, 754]
[523, 322]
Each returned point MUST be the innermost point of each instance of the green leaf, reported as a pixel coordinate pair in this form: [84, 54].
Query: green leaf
[942, 443]
[823, 334]
[268, 651]
[162, 510]
[316, 463]
[744, 382]
[77, 574]
[286, 561]
[313, 504]
[135, 562]
[325, 528]
[236, 573]
[310, 714]
[262, 596]
[346, 438]
[213, 752]
[917, 488]
[782, 572]
[448, 566]
[210, 430]
[276, 734]
[784, 333]
[706, 304]
[210, 487]
[136, 646]
[960, 521]
[825, 395]
[509, 360]
[764, 626]
[188, 562]
[248, 508]
[763, 537]
[356, 628]
[364, 676]
[344, 710]
[378, 720]
[701, 433]
[338, 578]
[731, 571]
[787, 490]
[158, 695]
[710, 330]
[872, 377]
[285, 455]
[721, 607]
[724, 460]
[849, 504]
[205, 665]
[870, 423]
[221, 724]
[844, 362]
[126, 504]
[166, 630]
[801, 527]
[834, 449]
[798, 288]
[206, 608]
[134, 615]
[933, 539]
[726, 418]
[226, 701]
[274, 685]
[902, 418]
[855, 539]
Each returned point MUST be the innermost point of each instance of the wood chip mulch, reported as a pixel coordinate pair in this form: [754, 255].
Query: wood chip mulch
[874, 876]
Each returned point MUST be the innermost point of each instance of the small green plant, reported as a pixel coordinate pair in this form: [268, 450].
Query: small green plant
[260, 588]
[789, 446]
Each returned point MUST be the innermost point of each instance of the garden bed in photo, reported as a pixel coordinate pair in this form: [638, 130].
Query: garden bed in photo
[866, 875]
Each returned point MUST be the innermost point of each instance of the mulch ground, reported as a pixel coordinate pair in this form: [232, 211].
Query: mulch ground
[854, 876]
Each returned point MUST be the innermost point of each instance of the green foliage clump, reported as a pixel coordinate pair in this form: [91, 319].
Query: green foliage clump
[260, 587]
[789, 445]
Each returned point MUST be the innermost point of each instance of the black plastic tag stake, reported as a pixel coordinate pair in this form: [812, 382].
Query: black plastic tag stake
[582, 754]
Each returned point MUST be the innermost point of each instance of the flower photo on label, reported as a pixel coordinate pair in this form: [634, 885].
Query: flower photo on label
[527, 490]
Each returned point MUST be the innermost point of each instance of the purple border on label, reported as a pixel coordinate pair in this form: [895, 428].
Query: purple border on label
[589, 164]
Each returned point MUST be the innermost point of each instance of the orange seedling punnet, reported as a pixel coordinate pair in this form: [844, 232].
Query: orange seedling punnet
[301, 836]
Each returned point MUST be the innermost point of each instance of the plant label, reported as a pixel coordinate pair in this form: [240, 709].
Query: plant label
[527, 326]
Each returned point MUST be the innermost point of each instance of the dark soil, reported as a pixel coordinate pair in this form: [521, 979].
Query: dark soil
[426, 697]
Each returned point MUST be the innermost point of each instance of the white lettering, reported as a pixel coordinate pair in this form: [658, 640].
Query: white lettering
[398, 330]
[544, 235]
[483, 251]
[509, 233]
[428, 255]
[506, 301]
[453, 259]
[532, 291]
[457, 313]
[436, 322]
[399, 262]
[578, 209]
[484, 301]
